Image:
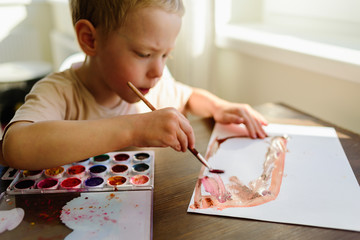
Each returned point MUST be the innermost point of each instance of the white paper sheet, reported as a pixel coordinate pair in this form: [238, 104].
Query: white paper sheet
[109, 215]
[318, 186]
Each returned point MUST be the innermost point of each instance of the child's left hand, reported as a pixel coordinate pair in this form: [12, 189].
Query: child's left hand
[237, 113]
[206, 104]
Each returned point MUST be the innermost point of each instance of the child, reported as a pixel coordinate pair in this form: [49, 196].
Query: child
[88, 110]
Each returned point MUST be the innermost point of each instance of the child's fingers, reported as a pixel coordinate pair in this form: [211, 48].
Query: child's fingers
[259, 117]
[183, 141]
[186, 134]
[260, 130]
[178, 132]
[231, 118]
[253, 125]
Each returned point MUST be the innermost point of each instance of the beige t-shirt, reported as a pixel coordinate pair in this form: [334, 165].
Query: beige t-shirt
[62, 96]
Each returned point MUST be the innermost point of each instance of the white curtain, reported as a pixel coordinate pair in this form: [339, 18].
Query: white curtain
[192, 57]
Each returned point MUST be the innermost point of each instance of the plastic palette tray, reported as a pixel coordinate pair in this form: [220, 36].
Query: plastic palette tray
[125, 170]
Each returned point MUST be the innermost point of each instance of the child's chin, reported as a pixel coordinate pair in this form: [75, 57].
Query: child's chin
[132, 100]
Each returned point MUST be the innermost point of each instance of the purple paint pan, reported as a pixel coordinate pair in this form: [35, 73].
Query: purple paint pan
[94, 182]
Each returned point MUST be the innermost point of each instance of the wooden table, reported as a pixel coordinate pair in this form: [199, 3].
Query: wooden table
[175, 178]
[176, 175]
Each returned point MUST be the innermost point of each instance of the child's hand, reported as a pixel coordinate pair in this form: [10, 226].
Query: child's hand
[163, 128]
[241, 113]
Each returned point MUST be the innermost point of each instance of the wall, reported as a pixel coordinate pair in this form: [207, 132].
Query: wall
[244, 78]
[24, 31]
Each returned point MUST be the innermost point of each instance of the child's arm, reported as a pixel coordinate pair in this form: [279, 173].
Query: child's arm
[205, 104]
[41, 145]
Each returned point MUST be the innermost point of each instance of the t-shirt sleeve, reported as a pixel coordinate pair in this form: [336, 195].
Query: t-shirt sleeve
[44, 102]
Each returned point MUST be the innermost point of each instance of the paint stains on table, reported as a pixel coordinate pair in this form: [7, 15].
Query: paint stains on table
[120, 215]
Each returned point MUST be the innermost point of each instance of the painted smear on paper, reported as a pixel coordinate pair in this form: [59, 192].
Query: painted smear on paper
[120, 215]
[235, 193]
[10, 219]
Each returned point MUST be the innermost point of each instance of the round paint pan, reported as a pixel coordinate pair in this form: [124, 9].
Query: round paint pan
[141, 168]
[140, 180]
[103, 158]
[71, 183]
[48, 183]
[25, 184]
[120, 169]
[142, 157]
[56, 172]
[94, 182]
[98, 170]
[121, 158]
[76, 171]
[32, 174]
[83, 162]
[116, 181]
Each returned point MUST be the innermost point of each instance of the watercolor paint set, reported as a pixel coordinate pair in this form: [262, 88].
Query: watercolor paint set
[114, 171]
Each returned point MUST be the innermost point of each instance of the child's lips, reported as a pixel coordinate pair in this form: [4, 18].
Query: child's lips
[144, 90]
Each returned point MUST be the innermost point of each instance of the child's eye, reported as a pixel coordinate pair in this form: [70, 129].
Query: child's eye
[143, 55]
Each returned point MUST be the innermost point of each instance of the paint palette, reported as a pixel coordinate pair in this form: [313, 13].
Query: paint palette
[114, 171]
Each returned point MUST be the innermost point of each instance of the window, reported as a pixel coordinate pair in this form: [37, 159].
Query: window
[321, 36]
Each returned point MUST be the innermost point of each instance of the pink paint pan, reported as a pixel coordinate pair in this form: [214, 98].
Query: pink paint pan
[139, 180]
[48, 183]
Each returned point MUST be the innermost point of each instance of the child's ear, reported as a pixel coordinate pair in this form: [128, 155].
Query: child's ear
[86, 36]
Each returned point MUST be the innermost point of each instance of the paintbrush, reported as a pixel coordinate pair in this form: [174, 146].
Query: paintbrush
[192, 150]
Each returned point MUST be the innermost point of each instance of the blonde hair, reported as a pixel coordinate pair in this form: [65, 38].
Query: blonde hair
[108, 15]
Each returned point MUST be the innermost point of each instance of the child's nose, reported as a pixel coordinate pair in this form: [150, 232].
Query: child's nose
[156, 68]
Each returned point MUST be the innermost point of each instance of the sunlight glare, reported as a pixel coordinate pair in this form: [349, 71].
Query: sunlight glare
[10, 17]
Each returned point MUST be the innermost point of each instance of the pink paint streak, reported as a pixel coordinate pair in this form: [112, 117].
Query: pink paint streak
[236, 194]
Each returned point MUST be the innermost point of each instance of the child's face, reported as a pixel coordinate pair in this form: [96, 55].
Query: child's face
[137, 52]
